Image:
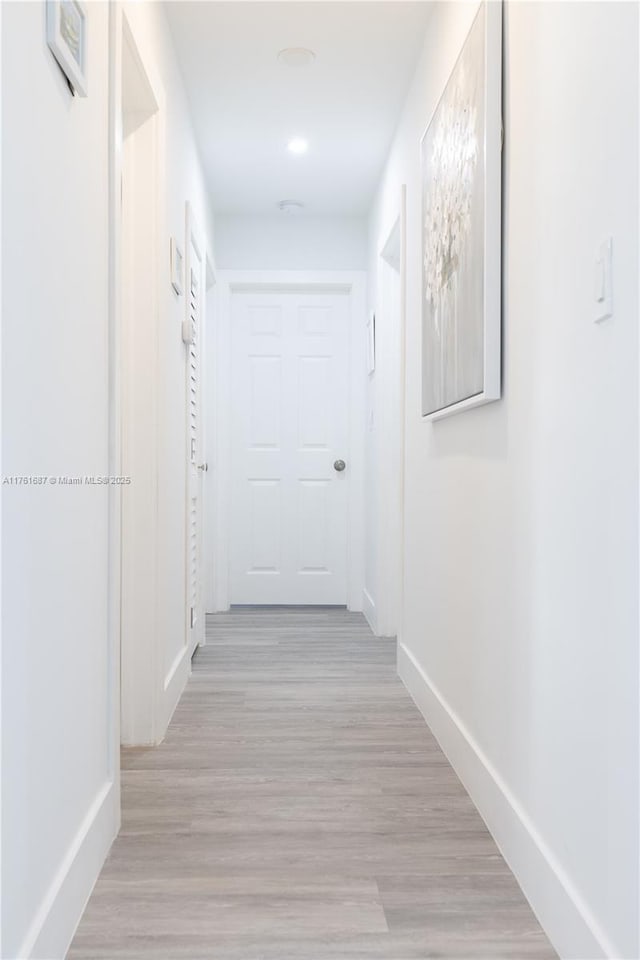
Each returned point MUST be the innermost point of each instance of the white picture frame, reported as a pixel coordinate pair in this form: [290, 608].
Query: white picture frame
[67, 40]
[461, 171]
[177, 266]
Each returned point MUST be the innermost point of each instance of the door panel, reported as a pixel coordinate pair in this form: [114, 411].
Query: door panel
[314, 415]
[265, 375]
[313, 526]
[264, 528]
[290, 422]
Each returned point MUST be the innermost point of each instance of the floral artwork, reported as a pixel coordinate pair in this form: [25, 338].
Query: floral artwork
[71, 29]
[453, 233]
[453, 160]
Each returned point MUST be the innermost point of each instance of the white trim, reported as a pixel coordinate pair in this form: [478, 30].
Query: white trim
[387, 515]
[559, 907]
[172, 689]
[353, 283]
[114, 389]
[154, 691]
[357, 430]
[173, 669]
[403, 398]
[62, 906]
[142, 705]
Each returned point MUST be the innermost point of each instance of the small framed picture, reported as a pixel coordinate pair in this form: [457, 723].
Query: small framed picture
[67, 38]
[371, 344]
[177, 267]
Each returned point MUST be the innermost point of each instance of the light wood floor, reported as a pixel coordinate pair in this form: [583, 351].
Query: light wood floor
[299, 809]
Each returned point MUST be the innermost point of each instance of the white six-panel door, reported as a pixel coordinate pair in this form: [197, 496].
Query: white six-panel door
[290, 424]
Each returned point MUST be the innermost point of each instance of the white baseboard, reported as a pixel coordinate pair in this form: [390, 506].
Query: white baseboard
[562, 912]
[172, 673]
[369, 610]
[174, 684]
[55, 923]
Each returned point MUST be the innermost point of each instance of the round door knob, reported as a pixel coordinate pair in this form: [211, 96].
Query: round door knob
[339, 465]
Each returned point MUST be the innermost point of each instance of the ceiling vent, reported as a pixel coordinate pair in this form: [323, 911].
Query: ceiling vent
[296, 57]
[290, 207]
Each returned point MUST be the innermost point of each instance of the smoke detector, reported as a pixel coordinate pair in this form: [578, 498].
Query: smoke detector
[290, 207]
[296, 57]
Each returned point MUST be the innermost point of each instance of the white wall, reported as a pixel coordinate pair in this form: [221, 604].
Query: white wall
[59, 802]
[291, 242]
[184, 182]
[520, 638]
[60, 791]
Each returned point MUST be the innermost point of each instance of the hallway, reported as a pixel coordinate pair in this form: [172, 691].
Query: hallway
[300, 809]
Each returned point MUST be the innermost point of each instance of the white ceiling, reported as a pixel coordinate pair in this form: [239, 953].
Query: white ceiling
[246, 105]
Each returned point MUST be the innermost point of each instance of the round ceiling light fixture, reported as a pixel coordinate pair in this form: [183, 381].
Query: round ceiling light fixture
[290, 207]
[296, 57]
[298, 145]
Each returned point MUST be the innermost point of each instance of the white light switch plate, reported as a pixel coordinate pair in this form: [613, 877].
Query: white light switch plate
[603, 282]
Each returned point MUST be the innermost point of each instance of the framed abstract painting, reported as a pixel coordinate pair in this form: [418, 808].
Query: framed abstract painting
[461, 167]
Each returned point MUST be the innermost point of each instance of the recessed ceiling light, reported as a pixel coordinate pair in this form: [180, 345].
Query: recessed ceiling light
[290, 206]
[298, 145]
[296, 57]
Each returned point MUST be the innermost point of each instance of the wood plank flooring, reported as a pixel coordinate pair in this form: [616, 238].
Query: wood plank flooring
[300, 809]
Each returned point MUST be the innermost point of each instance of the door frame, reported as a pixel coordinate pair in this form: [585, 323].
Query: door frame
[140, 702]
[391, 427]
[353, 284]
[384, 594]
[387, 511]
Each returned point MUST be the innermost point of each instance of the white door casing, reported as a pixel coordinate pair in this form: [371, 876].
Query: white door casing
[194, 294]
[290, 423]
[385, 522]
[138, 312]
[390, 453]
[148, 671]
[310, 464]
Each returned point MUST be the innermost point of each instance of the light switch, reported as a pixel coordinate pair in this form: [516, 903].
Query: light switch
[603, 292]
